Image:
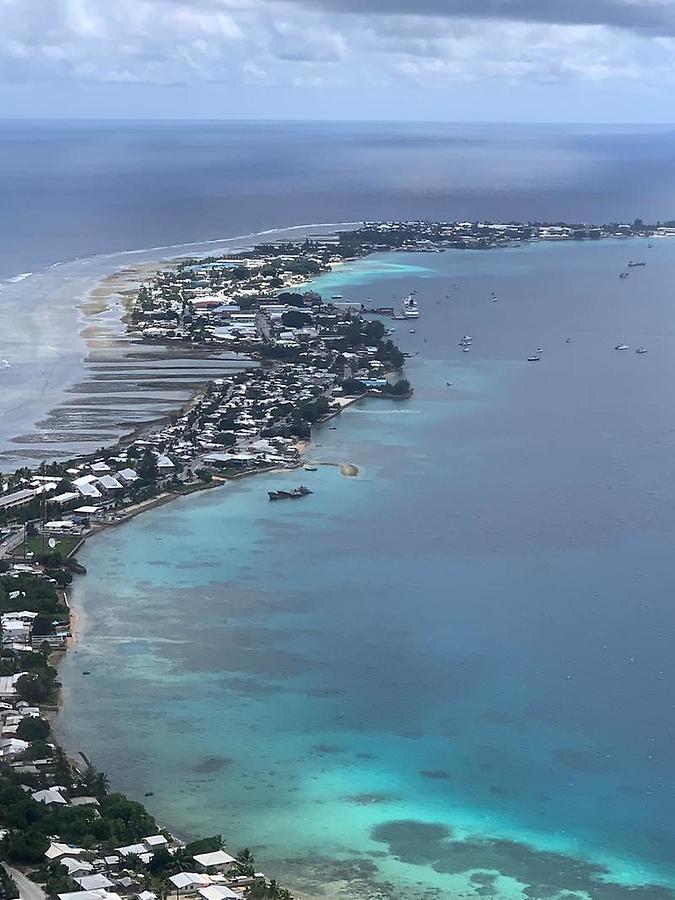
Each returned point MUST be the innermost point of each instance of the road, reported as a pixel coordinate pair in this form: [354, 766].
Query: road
[11, 543]
[28, 890]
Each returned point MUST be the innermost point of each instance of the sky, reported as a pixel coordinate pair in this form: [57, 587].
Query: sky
[458, 60]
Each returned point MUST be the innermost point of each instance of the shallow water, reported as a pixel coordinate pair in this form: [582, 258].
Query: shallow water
[452, 675]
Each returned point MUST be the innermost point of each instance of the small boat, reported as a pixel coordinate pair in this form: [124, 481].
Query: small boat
[622, 347]
[149, 794]
[297, 492]
[623, 275]
[86, 673]
[309, 468]
[465, 349]
[540, 349]
[641, 350]
[412, 331]
[449, 383]
[494, 297]
[336, 297]
[568, 341]
[533, 358]
[635, 265]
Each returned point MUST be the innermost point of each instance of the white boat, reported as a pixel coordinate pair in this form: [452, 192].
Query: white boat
[533, 358]
[622, 347]
[641, 350]
[409, 309]
[309, 468]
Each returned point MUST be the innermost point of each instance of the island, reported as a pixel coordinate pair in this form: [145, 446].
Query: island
[304, 358]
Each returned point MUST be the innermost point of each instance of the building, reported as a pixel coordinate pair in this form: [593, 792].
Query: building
[216, 861]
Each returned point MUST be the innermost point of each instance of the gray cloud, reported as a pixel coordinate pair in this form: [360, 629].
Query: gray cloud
[655, 17]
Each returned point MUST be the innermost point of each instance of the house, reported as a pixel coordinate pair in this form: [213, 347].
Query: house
[139, 850]
[93, 882]
[57, 851]
[50, 797]
[83, 801]
[76, 867]
[127, 476]
[8, 685]
[89, 895]
[189, 882]
[155, 841]
[216, 861]
[218, 892]
[109, 484]
[100, 468]
[164, 464]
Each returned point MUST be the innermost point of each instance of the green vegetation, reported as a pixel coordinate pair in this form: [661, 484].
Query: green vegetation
[39, 547]
[401, 388]
[33, 728]
[8, 888]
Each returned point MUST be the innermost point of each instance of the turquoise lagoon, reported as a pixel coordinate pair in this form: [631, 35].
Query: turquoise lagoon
[451, 676]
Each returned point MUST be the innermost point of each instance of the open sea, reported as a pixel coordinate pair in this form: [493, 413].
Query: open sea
[452, 675]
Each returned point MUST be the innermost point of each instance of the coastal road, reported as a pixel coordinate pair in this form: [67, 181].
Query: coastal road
[28, 890]
[12, 542]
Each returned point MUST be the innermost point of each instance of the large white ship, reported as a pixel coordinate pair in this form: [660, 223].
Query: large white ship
[409, 309]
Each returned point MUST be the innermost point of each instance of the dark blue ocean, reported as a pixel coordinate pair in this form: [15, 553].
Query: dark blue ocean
[451, 676]
[79, 188]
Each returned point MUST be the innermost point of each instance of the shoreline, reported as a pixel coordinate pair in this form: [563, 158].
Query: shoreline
[303, 447]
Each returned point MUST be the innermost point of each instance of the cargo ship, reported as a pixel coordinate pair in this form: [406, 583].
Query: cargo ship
[301, 491]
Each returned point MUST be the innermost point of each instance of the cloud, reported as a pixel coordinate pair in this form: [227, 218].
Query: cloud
[655, 17]
[432, 44]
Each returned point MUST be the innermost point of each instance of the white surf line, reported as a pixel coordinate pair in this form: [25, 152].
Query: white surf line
[205, 243]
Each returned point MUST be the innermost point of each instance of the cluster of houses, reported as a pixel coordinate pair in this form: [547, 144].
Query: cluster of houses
[223, 299]
[11, 716]
[112, 876]
[434, 236]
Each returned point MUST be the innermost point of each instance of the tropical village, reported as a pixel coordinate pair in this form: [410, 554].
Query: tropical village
[307, 358]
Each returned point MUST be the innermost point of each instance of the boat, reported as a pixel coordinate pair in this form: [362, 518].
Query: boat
[466, 349]
[449, 383]
[494, 297]
[533, 358]
[623, 275]
[465, 341]
[641, 350]
[297, 492]
[309, 468]
[412, 331]
[635, 265]
[622, 347]
[336, 297]
[568, 341]
[409, 308]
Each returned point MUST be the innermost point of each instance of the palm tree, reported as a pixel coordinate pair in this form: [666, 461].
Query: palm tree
[246, 862]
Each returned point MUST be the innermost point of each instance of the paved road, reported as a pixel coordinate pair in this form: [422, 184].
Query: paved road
[11, 543]
[28, 890]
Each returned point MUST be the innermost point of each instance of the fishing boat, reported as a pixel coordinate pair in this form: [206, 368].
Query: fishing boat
[533, 358]
[636, 265]
[641, 350]
[297, 492]
[622, 347]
